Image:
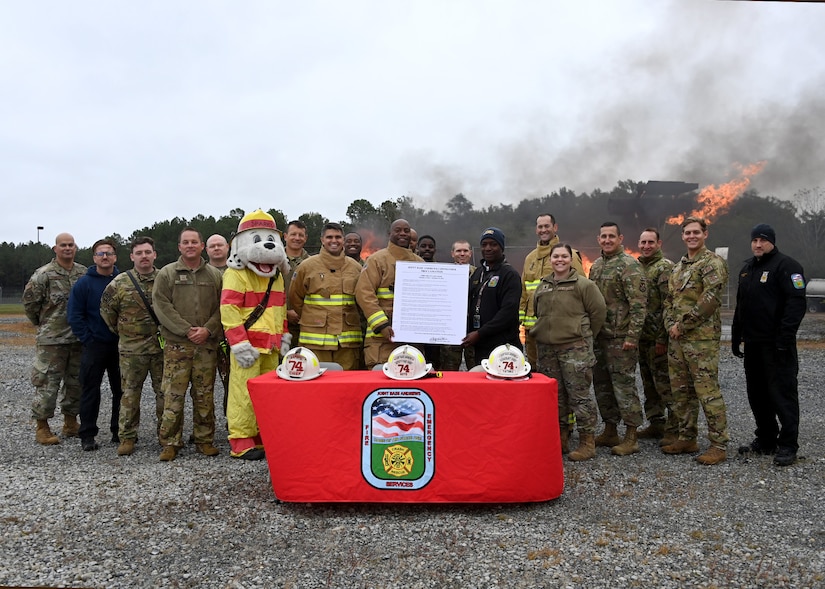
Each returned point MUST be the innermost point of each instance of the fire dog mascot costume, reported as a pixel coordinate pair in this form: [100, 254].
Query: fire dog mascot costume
[254, 322]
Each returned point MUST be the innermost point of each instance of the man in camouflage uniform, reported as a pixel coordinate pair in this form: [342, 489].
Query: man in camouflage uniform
[294, 241]
[186, 299]
[125, 313]
[653, 342]
[621, 279]
[536, 267]
[693, 321]
[45, 300]
[374, 293]
[217, 250]
[462, 254]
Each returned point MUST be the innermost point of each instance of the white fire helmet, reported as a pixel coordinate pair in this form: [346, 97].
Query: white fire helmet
[406, 363]
[506, 361]
[300, 364]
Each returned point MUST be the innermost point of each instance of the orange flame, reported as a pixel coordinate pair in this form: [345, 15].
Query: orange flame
[716, 200]
[370, 243]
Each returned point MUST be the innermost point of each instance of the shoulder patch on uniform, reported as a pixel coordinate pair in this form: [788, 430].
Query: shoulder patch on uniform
[798, 281]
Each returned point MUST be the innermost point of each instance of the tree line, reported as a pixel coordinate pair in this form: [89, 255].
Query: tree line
[799, 225]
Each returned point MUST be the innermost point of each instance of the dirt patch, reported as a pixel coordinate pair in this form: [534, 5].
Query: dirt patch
[17, 331]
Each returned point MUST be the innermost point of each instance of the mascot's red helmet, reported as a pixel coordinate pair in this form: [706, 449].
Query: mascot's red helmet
[257, 220]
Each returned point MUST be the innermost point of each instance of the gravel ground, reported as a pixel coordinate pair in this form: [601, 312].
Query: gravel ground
[90, 519]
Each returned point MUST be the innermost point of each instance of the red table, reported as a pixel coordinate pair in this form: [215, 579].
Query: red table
[359, 436]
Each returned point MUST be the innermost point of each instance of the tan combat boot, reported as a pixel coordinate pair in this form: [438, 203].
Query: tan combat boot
[681, 447]
[207, 449]
[126, 448]
[609, 437]
[70, 426]
[669, 438]
[586, 449]
[655, 430]
[44, 434]
[564, 434]
[168, 453]
[629, 445]
[712, 455]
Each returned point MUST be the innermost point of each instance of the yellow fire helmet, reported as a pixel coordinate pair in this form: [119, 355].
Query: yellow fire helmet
[506, 361]
[300, 364]
[406, 363]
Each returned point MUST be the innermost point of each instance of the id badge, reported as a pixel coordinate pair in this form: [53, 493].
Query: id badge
[476, 321]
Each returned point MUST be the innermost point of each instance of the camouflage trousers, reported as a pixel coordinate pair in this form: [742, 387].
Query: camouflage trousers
[184, 364]
[348, 358]
[451, 357]
[694, 380]
[614, 380]
[223, 369]
[54, 364]
[133, 373]
[531, 349]
[656, 380]
[572, 367]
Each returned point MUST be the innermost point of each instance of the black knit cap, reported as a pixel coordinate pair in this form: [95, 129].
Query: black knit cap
[764, 231]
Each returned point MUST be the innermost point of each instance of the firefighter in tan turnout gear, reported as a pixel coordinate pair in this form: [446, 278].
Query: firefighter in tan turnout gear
[536, 267]
[374, 293]
[322, 294]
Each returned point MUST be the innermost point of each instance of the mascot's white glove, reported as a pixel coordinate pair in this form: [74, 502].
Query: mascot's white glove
[286, 343]
[245, 354]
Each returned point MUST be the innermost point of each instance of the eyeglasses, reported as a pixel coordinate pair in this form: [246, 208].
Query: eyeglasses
[105, 254]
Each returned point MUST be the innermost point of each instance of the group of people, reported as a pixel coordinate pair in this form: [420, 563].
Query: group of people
[583, 331]
[664, 318]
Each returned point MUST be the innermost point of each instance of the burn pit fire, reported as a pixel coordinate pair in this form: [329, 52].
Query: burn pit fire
[716, 200]
[370, 243]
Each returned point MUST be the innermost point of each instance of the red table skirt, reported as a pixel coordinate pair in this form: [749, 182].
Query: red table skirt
[359, 436]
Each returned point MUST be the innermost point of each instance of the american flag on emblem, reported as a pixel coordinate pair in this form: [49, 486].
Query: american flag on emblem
[397, 420]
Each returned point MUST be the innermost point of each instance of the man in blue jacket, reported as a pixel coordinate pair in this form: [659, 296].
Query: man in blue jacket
[770, 305]
[100, 352]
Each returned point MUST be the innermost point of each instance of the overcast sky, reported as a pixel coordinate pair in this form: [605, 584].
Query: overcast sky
[119, 114]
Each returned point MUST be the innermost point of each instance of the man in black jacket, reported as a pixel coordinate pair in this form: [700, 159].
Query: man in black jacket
[495, 291]
[770, 304]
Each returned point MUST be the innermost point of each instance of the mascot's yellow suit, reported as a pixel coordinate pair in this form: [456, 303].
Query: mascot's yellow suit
[256, 256]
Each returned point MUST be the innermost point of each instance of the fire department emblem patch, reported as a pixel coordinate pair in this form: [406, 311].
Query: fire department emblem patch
[398, 460]
[398, 439]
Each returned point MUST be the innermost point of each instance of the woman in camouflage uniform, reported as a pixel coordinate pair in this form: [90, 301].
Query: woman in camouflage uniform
[570, 311]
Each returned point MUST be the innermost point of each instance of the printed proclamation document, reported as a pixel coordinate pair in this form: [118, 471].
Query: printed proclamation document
[430, 303]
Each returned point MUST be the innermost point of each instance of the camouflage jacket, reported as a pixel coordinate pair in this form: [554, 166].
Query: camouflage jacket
[622, 281]
[695, 296]
[46, 300]
[124, 312]
[657, 269]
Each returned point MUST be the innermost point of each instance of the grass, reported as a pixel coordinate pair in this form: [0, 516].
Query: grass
[11, 309]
